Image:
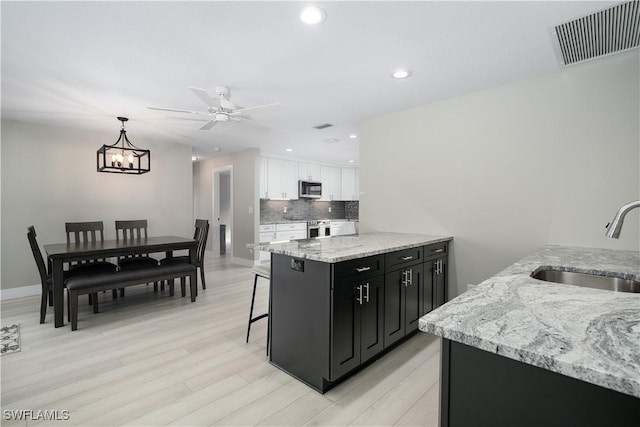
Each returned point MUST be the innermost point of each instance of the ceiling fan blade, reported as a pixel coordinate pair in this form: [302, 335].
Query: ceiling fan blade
[204, 97]
[247, 121]
[208, 125]
[174, 110]
[188, 118]
[261, 109]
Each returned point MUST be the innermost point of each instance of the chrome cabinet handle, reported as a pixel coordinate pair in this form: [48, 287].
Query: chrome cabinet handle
[437, 250]
[410, 274]
[361, 269]
[407, 258]
[404, 278]
[359, 299]
[366, 296]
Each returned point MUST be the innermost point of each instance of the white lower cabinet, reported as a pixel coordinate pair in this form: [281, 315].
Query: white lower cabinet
[280, 232]
[343, 228]
[291, 231]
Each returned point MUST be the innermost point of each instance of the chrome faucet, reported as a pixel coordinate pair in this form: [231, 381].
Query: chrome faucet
[614, 227]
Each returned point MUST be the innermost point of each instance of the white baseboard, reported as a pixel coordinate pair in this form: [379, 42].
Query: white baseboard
[21, 292]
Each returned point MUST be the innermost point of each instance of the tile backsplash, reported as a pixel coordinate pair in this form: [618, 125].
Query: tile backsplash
[305, 209]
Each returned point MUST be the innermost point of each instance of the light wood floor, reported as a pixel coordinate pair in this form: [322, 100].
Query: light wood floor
[151, 360]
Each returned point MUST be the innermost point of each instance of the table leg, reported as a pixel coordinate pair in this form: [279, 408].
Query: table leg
[58, 292]
[193, 260]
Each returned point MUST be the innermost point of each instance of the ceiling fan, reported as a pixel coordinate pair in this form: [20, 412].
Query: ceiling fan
[223, 109]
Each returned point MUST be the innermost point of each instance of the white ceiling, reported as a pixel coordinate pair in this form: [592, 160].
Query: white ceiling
[82, 64]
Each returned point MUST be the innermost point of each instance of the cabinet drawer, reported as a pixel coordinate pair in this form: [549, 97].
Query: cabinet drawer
[267, 237]
[292, 226]
[291, 235]
[357, 269]
[436, 250]
[403, 258]
[267, 227]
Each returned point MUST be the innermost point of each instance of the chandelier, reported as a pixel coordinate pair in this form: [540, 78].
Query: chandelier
[123, 156]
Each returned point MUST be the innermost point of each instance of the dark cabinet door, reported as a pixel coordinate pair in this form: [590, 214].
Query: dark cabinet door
[401, 302]
[357, 325]
[440, 282]
[394, 307]
[371, 318]
[345, 330]
[412, 298]
[427, 292]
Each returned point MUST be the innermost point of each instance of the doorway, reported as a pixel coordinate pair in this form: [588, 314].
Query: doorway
[223, 210]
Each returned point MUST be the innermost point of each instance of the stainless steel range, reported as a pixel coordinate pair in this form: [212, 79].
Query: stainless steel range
[318, 228]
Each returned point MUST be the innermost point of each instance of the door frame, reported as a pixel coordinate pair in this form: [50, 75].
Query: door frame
[216, 207]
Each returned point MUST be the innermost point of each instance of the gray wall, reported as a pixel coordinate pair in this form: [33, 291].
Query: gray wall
[245, 198]
[507, 170]
[49, 177]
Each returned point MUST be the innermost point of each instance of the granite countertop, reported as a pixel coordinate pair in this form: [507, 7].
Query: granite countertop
[343, 248]
[589, 334]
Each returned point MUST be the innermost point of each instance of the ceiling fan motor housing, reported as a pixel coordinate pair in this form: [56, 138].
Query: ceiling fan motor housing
[223, 91]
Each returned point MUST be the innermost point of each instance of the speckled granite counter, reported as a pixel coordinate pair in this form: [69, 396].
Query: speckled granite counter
[589, 334]
[343, 248]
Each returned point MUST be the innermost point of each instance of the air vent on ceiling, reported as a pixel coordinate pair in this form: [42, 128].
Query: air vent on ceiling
[323, 126]
[602, 33]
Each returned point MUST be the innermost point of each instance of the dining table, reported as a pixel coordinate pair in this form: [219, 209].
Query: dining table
[60, 253]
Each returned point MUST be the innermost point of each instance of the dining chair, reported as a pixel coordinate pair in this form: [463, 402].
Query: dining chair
[46, 278]
[200, 234]
[88, 232]
[130, 230]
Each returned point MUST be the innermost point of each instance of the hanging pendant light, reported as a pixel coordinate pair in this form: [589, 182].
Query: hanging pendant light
[123, 156]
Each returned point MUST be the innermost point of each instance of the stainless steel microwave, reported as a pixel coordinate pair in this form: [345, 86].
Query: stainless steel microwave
[309, 189]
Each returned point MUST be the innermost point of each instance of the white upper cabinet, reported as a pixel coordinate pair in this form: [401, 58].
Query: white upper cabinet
[350, 185]
[279, 179]
[282, 179]
[331, 183]
[309, 172]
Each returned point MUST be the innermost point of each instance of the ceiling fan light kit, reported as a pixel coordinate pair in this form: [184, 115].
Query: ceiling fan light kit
[123, 156]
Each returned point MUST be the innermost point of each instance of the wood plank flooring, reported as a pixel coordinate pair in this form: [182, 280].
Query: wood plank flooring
[152, 360]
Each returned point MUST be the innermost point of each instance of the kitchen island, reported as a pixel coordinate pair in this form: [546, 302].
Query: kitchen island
[522, 351]
[338, 303]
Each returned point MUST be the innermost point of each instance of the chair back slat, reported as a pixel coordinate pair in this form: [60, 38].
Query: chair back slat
[130, 230]
[85, 232]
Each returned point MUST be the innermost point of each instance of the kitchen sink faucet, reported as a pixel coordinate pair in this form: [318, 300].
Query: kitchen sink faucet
[614, 227]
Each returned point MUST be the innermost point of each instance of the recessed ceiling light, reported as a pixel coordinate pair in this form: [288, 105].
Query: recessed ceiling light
[352, 161]
[312, 15]
[216, 149]
[401, 74]
[289, 149]
[353, 136]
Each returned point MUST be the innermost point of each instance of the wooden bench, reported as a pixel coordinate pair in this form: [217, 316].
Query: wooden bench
[92, 284]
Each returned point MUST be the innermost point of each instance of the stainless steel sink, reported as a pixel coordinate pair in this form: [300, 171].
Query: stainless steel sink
[587, 280]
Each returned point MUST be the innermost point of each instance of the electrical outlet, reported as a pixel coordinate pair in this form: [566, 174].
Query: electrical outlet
[329, 209]
[285, 209]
